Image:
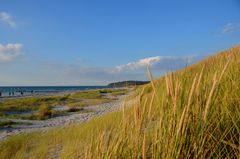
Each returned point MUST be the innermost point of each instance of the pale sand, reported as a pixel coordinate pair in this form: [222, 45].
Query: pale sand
[61, 121]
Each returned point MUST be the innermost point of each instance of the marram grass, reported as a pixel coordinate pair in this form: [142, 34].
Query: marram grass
[192, 113]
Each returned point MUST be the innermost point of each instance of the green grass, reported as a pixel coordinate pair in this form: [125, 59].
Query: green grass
[192, 113]
[6, 123]
[75, 102]
[34, 103]
[114, 92]
[51, 114]
[26, 104]
[119, 92]
[88, 95]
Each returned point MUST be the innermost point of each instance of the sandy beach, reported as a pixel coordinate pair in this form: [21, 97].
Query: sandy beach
[25, 126]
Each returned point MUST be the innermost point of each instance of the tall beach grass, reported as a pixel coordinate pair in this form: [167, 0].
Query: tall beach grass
[192, 113]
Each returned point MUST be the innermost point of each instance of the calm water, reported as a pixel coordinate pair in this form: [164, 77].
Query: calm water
[28, 90]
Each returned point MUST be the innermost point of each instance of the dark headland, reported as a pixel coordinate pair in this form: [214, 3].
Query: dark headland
[127, 83]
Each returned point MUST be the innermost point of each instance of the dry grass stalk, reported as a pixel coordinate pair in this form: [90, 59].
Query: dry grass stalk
[151, 79]
[155, 143]
[199, 80]
[141, 94]
[143, 112]
[191, 92]
[237, 147]
[167, 85]
[150, 106]
[135, 113]
[223, 71]
[88, 154]
[101, 142]
[176, 94]
[186, 108]
[197, 105]
[116, 145]
[123, 110]
[144, 145]
[210, 98]
[171, 84]
[144, 107]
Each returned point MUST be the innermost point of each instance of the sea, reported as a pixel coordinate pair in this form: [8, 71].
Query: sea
[6, 91]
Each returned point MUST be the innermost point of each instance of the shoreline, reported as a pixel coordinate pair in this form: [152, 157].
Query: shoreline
[28, 126]
[59, 93]
[40, 95]
[12, 92]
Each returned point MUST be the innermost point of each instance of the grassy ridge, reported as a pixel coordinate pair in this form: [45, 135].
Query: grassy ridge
[192, 113]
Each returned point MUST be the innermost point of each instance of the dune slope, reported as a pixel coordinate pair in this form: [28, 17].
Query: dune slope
[192, 113]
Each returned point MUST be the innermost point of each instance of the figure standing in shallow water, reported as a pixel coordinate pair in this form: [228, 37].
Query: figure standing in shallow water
[0, 94]
[22, 93]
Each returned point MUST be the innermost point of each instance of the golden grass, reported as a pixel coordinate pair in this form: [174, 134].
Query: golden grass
[192, 113]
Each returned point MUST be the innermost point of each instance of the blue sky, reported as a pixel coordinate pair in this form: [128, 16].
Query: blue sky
[97, 42]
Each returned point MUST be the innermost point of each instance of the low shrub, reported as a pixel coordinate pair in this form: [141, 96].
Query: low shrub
[44, 112]
[74, 109]
[6, 123]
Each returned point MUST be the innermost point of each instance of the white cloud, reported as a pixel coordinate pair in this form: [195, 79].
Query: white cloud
[10, 52]
[138, 64]
[231, 28]
[163, 63]
[7, 19]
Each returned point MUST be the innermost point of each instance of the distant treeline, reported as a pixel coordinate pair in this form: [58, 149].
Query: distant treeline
[127, 83]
